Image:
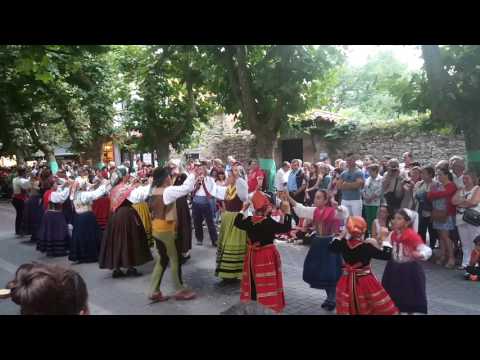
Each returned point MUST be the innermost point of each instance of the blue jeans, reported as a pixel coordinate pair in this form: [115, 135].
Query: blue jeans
[202, 210]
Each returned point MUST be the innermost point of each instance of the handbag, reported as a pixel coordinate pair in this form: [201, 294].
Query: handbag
[440, 216]
[472, 217]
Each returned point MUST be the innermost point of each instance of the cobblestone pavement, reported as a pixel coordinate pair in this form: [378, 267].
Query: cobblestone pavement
[447, 292]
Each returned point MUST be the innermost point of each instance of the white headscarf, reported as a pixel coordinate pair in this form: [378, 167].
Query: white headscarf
[413, 215]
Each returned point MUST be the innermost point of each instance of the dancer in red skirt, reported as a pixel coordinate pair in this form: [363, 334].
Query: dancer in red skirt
[358, 290]
[262, 269]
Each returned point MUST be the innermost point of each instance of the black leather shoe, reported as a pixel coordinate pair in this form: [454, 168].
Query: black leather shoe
[133, 272]
[184, 259]
[329, 307]
[200, 243]
[118, 274]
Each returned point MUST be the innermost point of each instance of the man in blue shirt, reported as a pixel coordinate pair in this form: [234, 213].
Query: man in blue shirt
[351, 183]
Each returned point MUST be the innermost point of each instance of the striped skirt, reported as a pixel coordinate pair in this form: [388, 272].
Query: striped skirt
[360, 293]
[144, 213]
[54, 238]
[262, 277]
[232, 247]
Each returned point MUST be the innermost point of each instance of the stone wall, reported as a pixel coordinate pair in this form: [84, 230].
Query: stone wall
[222, 139]
[426, 148]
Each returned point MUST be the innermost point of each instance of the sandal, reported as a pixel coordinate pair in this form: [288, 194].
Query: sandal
[185, 295]
[158, 297]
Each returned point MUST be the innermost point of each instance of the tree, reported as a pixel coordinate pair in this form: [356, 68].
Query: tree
[166, 95]
[52, 90]
[373, 91]
[267, 84]
[453, 88]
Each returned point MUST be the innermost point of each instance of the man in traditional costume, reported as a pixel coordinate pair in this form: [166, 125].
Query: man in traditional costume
[262, 270]
[162, 205]
[358, 290]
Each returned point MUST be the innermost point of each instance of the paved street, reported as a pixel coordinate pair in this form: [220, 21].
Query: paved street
[448, 293]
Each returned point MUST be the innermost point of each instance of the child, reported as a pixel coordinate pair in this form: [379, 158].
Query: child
[262, 269]
[358, 291]
[473, 268]
[381, 222]
[404, 278]
[322, 269]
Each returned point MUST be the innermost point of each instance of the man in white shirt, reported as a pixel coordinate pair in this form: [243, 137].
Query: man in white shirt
[457, 167]
[20, 185]
[205, 189]
[281, 178]
[228, 167]
[407, 162]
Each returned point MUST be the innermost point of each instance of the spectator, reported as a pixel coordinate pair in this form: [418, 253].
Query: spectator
[408, 201]
[319, 180]
[218, 164]
[368, 160]
[306, 170]
[381, 222]
[48, 290]
[424, 206]
[473, 268]
[407, 161]
[372, 193]
[228, 168]
[281, 178]
[384, 165]
[443, 215]
[312, 183]
[296, 184]
[457, 167]
[392, 185]
[351, 183]
[467, 197]
[256, 176]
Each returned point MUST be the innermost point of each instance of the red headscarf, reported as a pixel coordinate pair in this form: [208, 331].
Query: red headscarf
[356, 226]
[260, 201]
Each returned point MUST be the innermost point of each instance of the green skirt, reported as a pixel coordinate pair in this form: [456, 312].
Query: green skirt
[232, 247]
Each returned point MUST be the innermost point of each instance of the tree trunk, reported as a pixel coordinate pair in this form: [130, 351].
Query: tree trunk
[437, 84]
[265, 142]
[20, 157]
[163, 151]
[471, 132]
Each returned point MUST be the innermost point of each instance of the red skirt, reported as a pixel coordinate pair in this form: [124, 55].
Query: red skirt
[263, 267]
[360, 293]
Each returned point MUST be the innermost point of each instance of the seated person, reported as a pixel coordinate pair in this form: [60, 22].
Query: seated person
[473, 268]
